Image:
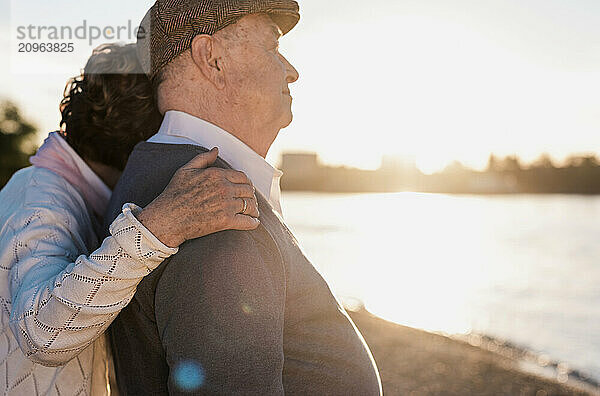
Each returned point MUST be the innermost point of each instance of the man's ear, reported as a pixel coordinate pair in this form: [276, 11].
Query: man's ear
[206, 58]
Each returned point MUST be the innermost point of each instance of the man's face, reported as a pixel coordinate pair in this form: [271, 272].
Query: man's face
[257, 75]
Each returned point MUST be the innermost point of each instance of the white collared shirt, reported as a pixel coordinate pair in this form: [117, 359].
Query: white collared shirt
[182, 128]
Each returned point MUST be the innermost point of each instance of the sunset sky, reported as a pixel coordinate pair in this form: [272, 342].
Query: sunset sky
[433, 80]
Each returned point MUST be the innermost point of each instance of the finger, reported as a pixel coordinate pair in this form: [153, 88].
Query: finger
[252, 208]
[243, 191]
[249, 208]
[203, 160]
[244, 223]
[241, 205]
[237, 177]
[245, 206]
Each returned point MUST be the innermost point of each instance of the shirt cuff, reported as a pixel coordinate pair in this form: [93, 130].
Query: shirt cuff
[137, 240]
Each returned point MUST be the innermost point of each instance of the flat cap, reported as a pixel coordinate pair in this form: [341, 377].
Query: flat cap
[169, 26]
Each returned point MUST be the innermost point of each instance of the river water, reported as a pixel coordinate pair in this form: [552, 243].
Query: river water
[521, 268]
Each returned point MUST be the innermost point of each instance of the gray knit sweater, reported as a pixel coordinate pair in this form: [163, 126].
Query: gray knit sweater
[233, 312]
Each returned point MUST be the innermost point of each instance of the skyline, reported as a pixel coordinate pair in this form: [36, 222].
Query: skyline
[428, 80]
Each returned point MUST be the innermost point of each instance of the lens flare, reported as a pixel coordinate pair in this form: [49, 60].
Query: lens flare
[188, 375]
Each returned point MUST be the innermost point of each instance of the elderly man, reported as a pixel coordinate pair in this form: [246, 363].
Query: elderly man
[234, 312]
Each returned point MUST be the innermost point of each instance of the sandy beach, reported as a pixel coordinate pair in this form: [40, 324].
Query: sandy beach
[415, 362]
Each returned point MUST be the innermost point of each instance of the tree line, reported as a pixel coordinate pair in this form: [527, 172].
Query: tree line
[17, 141]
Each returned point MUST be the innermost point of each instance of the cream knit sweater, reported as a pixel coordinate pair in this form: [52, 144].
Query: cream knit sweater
[58, 293]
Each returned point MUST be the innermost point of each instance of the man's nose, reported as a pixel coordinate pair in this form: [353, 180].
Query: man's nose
[292, 74]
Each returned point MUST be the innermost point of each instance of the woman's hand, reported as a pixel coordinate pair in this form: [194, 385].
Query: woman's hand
[200, 201]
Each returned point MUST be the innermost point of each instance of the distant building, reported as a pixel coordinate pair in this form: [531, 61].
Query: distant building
[300, 162]
[300, 170]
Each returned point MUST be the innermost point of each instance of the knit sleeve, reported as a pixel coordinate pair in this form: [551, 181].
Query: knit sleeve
[60, 305]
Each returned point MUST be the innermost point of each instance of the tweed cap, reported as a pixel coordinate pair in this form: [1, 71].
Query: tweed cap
[169, 26]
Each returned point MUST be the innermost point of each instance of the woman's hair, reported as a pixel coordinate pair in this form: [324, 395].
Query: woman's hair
[110, 107]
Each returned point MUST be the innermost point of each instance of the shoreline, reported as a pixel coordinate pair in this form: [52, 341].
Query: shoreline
[530, 361]
[417, 362]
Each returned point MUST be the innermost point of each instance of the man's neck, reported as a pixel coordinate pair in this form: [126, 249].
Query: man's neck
[246, 133]
[183, 128]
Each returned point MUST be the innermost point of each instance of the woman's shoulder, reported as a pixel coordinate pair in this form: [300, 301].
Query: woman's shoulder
[39, 190]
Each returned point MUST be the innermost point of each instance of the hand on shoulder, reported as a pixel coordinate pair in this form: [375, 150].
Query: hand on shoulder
[200, 201]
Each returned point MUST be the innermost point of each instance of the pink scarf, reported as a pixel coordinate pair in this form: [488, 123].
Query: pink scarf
[57, 156]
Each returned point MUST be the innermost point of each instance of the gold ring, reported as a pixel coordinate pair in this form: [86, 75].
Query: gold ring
[245, 206]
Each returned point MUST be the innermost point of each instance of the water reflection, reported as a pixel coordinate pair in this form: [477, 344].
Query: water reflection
[519, 267]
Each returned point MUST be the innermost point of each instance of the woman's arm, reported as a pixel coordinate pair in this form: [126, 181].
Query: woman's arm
[61, 305]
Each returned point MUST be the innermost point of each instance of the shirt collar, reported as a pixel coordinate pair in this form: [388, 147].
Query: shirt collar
[180, 127]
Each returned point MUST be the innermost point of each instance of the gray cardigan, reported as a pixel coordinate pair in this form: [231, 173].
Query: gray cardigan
[237, 312]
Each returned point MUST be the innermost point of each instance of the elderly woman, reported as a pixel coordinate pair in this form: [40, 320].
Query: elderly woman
[59, 290]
